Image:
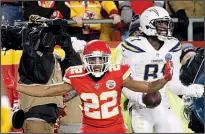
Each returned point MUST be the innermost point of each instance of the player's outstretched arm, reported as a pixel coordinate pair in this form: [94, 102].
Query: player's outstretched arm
[148, 87]
[37, 90]
[142, 86]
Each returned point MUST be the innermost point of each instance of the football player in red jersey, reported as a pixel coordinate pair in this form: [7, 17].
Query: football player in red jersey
[99, 85]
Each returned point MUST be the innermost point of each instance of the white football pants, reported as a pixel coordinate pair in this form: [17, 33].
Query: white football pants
[159, 120]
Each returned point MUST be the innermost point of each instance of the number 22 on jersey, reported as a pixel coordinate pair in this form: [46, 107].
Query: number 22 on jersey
[103, 112]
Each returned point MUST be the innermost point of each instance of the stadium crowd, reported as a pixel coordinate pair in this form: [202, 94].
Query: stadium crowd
[118, 10]
[43, 103]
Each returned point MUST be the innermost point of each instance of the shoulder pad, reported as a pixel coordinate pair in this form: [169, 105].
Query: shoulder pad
[175, 46]
[75, 71]
[133, 38]
[174, 39]
[134, 44]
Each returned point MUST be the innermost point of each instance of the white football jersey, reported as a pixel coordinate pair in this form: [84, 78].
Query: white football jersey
[146, 63]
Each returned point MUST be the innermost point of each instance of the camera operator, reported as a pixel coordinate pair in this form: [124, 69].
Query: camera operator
[193, 67]
[193, 73]
[39, 65]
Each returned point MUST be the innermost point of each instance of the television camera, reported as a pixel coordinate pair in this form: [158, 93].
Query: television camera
[41, 33]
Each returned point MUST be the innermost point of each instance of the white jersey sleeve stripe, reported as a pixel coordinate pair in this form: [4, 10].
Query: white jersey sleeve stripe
[66, 80]
[132, 48]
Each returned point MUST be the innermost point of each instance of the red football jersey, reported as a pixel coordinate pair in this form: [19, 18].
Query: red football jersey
[101, 99]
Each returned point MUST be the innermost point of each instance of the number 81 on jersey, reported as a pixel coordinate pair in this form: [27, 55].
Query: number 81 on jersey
[152, 70]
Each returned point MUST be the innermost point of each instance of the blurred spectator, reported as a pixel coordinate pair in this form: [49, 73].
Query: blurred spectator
[11, 11]
[134, 26]
[90, 10]
[106, 32]
[193, 66]
[193, 72]
[188, 51]
[48, 9]
[106, 29]
[129, 8]
[183, 10]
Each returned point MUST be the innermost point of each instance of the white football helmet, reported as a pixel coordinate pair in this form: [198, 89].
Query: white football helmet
[155, 21]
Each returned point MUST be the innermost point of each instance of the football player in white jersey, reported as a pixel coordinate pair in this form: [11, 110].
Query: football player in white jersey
[147, 54]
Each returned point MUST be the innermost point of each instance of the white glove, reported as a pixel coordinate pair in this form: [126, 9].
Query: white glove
[126, 11]
[194, 90]
[126, 15]
[78, 45]
[135, 98]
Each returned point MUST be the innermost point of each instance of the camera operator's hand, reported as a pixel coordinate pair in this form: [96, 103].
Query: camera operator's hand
[30, 41]
[182, 18]
[47, 40]
[72, 58]
[64, 40]
[37, 19]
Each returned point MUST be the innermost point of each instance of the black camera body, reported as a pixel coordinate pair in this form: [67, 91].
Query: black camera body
[42, 37]
[37, 39]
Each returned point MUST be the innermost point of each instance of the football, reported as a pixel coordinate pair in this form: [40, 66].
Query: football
[152, 100]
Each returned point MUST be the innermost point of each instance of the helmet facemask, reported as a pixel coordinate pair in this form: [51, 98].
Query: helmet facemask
[97, 63]
[163, 27]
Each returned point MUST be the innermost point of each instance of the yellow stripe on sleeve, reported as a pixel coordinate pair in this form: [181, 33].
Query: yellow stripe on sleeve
[127, 73]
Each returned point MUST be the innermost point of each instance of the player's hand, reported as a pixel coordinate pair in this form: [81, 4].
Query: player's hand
[194, 90]
[168, 70]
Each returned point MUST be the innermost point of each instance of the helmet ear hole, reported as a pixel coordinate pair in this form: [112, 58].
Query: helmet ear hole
[147, 27]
